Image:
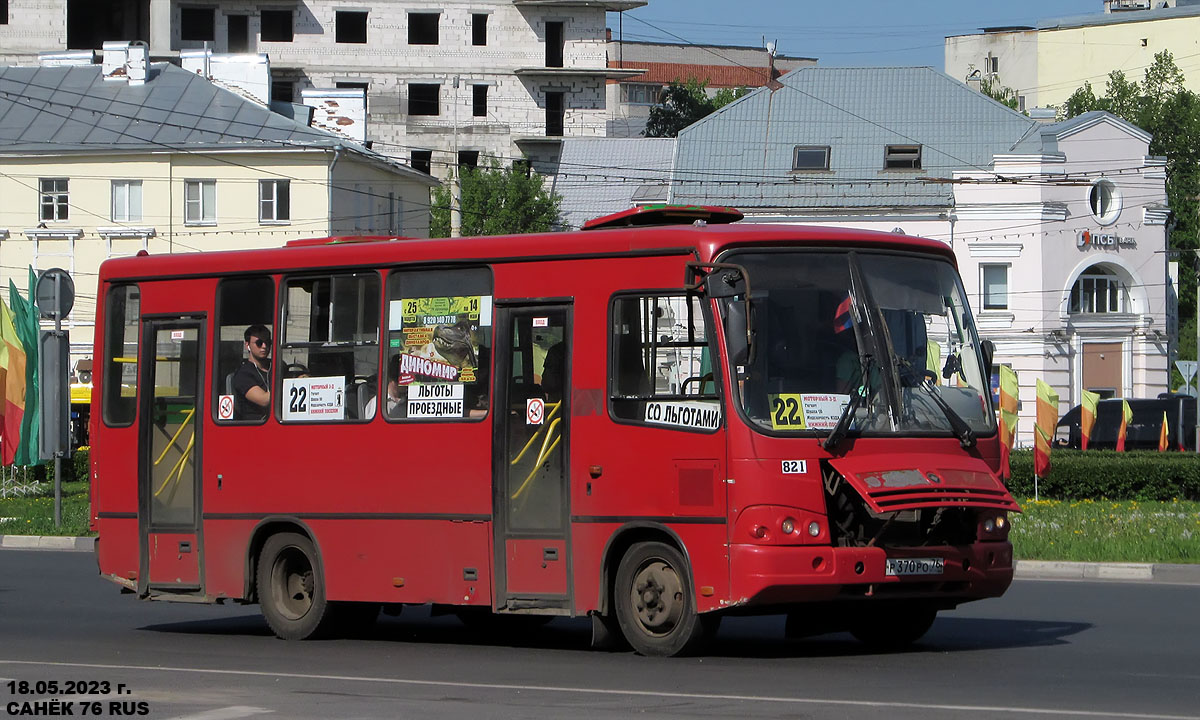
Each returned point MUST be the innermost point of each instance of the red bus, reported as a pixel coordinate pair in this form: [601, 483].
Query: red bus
[662, 420]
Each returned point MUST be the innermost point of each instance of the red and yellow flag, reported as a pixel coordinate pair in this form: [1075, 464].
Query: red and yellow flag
[1047, 420]
[1009, 391]
[1163, 434]
[1087, 417]
[1126, 418]
[12, 384]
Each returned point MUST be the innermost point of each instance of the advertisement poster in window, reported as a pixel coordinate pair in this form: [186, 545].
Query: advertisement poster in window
[438, 351]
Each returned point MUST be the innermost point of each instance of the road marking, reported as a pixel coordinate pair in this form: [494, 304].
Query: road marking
[226, 713]
[987, 710]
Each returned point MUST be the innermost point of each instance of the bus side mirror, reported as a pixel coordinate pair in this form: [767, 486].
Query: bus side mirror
[725, 282]
[988, 349]
[737, 332]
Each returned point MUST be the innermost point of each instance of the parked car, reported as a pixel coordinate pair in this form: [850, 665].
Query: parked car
[1143, 432]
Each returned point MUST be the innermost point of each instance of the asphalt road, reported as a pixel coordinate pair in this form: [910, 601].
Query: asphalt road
[1045, 650]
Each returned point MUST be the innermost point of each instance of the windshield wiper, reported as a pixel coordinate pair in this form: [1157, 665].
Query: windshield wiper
[966, 436]
[843, 424]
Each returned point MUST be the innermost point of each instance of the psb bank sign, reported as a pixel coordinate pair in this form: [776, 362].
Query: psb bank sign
[1088, 240]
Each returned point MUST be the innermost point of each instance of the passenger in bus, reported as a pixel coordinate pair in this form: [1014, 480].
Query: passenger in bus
[396, 395]
[252, 379]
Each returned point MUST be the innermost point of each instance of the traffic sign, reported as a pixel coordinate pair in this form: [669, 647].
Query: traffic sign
[55, 293]
[1187, 368]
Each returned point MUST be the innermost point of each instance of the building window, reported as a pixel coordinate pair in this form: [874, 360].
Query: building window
[277, 26]
[126, 200]
[1097, 291]
[53, 199]
[1021, 103]
[640, 93]
[991, 64]
[351, 27]
[274, 201]
[995, 287]
[479, 28]
[423, 28]
[283, 91]
[556, 42]
[555, 114]
[3, 12]
[902, 157]
[423, 99]
[810, 157]
[468, 159]
[198, 24]
[199, 202]
[479, 100]
[1105, 201]
[329, 350]
[422, 160]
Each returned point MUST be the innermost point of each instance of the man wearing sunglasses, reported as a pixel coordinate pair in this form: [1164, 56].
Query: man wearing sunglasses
[252, 380]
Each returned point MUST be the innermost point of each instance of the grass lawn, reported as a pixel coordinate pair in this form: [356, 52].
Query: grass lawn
[34, 514]
[1107, 531]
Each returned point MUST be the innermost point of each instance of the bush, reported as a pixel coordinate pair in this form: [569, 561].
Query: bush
[1109, 475]
[77, 468]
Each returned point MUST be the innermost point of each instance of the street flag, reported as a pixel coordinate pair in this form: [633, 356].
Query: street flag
[841, 316]
[25, 320]
[12, 368]
[1163, 443]
[1041, 452]
[1087, 417]
[1009, 391]
[1047, 419]
[1126, 418]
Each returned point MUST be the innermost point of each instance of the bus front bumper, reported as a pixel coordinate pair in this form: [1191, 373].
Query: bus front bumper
[785, 574]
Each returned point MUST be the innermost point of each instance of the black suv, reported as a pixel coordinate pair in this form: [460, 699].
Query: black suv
[1142, 433]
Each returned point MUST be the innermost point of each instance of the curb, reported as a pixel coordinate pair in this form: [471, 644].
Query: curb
[47, 542]
[1138, 572]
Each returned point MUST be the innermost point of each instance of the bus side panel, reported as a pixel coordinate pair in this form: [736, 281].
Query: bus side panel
[406, 561]
[117, 548]
[225, 545]
[703, 545]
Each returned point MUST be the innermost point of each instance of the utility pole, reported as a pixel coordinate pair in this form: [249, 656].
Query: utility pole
[455, 177]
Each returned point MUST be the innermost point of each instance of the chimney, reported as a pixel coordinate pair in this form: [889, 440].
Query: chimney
[127, 61]
[342, 111]
[248, 75]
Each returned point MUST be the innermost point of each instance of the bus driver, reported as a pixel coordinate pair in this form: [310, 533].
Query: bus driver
[252, 380]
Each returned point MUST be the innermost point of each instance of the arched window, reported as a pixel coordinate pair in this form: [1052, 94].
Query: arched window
[1105, 201]
[1098, 290]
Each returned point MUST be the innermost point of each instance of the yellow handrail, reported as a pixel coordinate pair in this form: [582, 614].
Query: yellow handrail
[187, 419]
[545, 453]
[177, 468]
[554, 411]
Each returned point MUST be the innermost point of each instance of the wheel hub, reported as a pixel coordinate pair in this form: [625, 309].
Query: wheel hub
[657, 596]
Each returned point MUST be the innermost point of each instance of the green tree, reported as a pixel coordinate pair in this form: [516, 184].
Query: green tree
[683, 103]
[991, 86]
[1163, 107]
[498, 201]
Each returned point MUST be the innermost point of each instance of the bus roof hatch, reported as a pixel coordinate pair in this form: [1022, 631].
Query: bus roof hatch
[665, 215]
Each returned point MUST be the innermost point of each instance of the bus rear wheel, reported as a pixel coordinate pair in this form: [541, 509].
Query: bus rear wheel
[291, 590]
[893, 626]
[655, 605]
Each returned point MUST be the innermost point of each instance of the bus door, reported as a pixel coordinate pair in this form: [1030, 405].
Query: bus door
[531, 437]
[169, 454]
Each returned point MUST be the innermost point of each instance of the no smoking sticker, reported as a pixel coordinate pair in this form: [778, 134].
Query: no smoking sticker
[535, 411]
[225, 407]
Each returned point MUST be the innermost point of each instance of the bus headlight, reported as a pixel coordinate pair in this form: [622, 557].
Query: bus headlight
[787, 526]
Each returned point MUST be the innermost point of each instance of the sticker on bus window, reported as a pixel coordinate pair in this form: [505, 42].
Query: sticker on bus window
[698, 415]
[800, 411]
[435, 400]
[225, 407]
[440, 338]
[314, 398]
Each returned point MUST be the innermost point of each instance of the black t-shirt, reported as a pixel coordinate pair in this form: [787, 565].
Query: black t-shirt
[248, 376]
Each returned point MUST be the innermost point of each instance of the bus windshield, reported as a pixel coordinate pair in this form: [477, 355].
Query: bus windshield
[890, 331]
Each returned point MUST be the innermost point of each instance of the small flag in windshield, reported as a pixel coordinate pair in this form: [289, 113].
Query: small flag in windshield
[841, 317]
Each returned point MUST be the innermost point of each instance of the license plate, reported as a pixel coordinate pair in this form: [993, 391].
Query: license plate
[914, 566]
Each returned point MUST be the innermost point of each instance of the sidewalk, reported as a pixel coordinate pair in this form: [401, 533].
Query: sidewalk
[1026, 569]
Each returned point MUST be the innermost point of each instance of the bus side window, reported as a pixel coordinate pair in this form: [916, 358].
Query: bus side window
[661, 362]
[328, 363]
[242, 303]
[439, 344]
[122, 317]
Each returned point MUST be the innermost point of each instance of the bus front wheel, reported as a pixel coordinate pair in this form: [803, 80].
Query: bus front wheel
[291, 590]
[655, 605]
[893, 626]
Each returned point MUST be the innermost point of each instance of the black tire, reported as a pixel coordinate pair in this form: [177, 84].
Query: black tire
[291, 590]
[893, 626]
[654, 601]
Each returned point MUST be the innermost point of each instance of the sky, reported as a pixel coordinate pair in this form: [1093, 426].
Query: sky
[838, 33]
